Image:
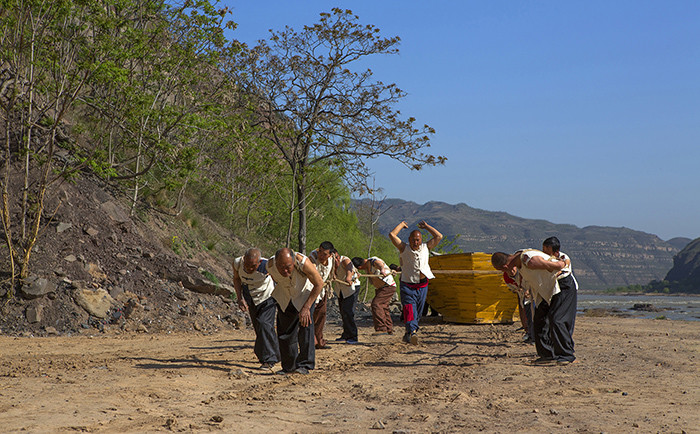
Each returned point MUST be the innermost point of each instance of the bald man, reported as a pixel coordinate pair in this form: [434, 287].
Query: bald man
[254, 288]
[297, 286]
[415, 273]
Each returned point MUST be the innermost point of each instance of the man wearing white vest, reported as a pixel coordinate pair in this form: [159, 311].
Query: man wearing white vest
[347, 286]
[254, 288]
[323, 260]
[297, 286]
[537, 272]
[415, 273]
[383, 281]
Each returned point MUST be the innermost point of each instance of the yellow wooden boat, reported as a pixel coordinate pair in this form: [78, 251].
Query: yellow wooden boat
[467, 289]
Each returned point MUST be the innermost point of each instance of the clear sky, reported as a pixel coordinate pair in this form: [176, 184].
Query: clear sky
[583, 112]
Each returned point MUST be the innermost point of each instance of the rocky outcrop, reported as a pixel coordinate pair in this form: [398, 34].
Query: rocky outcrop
[603, 257]
[686, 266]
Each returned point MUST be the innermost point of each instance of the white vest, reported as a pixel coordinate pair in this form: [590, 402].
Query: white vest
[342, 287]
[415, 262]
[259, 282]
[543, 284]
[388, 279]
[323, 270]
[295, 288]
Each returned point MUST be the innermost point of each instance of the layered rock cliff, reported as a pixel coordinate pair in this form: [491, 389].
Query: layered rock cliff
[603, 257]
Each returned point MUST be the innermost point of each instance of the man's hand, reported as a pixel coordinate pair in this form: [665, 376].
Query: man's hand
[242, 305]
[305, 317]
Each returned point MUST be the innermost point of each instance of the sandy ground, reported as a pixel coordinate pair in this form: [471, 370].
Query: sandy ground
[632, 375]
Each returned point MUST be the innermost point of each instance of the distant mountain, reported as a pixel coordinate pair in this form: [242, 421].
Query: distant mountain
[602, 257]
[679, 242]
[686, 266]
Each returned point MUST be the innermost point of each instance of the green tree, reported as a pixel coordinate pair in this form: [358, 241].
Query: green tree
[314, 108]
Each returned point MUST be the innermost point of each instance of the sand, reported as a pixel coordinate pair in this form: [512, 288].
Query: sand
[632, 375]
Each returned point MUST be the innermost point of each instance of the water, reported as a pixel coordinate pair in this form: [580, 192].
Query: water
[686, 308]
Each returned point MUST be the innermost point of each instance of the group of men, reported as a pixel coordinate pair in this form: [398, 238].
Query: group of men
[544, 279]
[292, 290]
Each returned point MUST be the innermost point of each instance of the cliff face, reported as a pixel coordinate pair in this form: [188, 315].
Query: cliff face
[686, 265]
[602, 257]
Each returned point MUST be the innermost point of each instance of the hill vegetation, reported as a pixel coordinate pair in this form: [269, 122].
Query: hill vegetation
[156, 101]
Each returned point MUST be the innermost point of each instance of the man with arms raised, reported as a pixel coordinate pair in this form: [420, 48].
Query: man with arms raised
[297, 286]
[254, 288]
[415, 272]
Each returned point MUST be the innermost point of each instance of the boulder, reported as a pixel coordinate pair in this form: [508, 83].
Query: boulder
[115, 212]
[35, 287]
[204, 286]
[97, 303]
[33, 313]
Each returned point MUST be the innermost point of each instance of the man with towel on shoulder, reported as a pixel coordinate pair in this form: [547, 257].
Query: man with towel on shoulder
[538, 272]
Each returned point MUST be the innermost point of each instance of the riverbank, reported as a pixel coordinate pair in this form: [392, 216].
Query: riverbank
[631, 375]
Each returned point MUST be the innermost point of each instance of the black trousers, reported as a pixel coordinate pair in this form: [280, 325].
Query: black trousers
[347, 314]
[262, 316]
[554, 323]
[296, 342]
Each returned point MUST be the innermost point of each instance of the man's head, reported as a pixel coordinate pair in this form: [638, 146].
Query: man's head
[499, 260]
[284, 261]
[551, 246]
[359, 262]
[415, 239]
[325, 250]
[251, 259]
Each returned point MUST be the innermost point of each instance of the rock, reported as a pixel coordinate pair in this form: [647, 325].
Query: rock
[378, 425]
[51, 331]
[63, 227]
[149, 255]
[35, 287]
[115, 212]
[142, 328]
[204, 286]
[553, 411]
[97, 303]
[115, 292]
[217, 419]
[70, 258]
[92, 232]
[95, 271]
[33, 313]
[238, 373]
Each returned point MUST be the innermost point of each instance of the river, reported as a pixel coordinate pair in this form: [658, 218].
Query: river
[675, 307]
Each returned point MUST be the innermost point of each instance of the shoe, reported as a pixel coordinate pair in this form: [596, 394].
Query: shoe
[564, 362]
[414, 338]
[380, 333]
[282, 372]
[301, 370]
[322, 347]
[352, 341]
[543, 361]
[407, 338]
[266, 366]
[340, 339]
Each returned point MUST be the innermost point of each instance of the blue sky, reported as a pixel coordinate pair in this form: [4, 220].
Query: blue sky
[585, 113]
